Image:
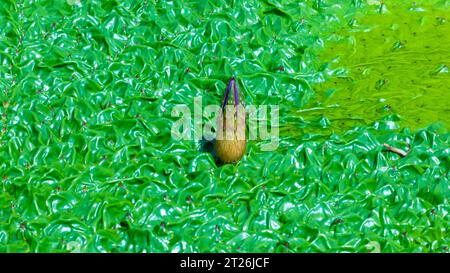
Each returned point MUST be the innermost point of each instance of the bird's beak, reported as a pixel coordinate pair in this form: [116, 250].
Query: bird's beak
[227, 93]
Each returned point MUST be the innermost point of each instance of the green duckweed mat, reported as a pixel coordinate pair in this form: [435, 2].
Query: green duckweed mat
[88, 164]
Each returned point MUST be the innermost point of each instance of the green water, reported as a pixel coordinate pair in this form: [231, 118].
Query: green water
[387, 63]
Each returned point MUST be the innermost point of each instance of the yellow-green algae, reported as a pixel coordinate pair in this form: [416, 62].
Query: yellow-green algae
[392, 61]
